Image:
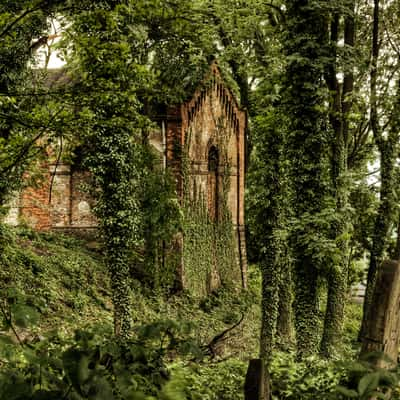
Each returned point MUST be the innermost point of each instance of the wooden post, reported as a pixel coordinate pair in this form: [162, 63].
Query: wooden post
[257, 384]
[383, 327]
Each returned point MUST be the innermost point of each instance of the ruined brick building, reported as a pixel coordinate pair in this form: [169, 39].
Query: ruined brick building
[209, 129]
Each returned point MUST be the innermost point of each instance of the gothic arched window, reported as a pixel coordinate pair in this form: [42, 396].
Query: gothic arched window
[213, 159]
[212, 182]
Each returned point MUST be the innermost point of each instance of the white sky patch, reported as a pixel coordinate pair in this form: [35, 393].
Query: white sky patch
[48, 54]
[373, 178]
[55, 61]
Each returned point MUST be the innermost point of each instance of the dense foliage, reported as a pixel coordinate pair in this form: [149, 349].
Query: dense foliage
[24, 125]
[168, 351]
[320, 83]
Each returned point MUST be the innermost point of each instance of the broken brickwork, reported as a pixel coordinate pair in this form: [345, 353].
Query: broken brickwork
[209, 130]
[59, 200]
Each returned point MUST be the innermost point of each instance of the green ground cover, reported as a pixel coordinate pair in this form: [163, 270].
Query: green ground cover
[57, 332]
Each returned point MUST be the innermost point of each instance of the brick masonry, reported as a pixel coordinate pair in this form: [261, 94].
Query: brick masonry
[58, 201]
[211, 122]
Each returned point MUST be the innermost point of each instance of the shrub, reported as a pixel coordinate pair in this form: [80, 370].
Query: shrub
[218, 381]
[310, 379]
[94, 365]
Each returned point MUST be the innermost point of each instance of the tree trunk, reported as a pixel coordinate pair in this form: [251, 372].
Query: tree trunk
[396, 251]
[334, 315]
[306, 149]
[388, 148]
[384, 328]
[383, 223]
[340, 107]
[284, 327]
[119, 274]
[269, 305]
[306, 308]
[257, 384]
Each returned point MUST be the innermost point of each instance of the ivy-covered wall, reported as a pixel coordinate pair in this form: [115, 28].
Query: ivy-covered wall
[205, 148]
[210, 253]
[202, 145]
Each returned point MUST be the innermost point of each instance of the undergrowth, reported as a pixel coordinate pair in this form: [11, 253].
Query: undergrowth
[56, 336]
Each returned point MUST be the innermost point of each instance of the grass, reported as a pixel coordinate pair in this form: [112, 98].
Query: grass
[67, 283]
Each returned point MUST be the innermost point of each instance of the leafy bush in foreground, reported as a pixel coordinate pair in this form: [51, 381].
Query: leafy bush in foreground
[310, 379]
[215, 381]
[94, 366]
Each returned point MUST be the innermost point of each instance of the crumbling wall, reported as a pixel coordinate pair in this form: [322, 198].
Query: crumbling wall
[59, 200]
[212, 138]
[202, 143]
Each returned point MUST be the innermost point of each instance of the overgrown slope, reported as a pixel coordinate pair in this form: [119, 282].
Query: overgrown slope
[53, 285]
[58, 276]
[66, 284]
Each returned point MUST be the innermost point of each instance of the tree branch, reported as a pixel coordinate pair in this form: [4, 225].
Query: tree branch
[10, 324]
[8, 28]
[27, 146]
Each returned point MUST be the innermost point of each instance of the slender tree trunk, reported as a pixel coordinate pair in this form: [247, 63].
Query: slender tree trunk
[340, 108]
[284, 324]
[270, 211]
[269, 305]
[119, 273]
[334, 315]
[306, 308]
[273, 255]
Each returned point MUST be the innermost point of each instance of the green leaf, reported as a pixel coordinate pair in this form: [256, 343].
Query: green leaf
[83, 369]
[101, 389]
[368, 383]
[347, 392]
[6, 340]
[71, 359]
[378, 395]
[46, 395]
[24, 316]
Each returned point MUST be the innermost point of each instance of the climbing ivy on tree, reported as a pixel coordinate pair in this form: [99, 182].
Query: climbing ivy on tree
[267, 199]
[306, 150]
[340, 105]
[105, 50]
[268, 217]
[312, 135]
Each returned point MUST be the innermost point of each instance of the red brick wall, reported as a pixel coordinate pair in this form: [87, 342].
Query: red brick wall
[69, 205]
[212, 113]
[81, 201]
[34, 203]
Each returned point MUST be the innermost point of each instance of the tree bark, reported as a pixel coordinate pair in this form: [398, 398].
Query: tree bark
[284, 327]
[383, 221]
[305, 46]
[306, 308]
[339, 109]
